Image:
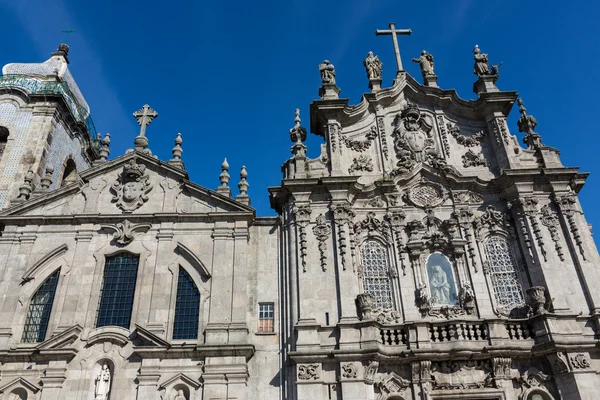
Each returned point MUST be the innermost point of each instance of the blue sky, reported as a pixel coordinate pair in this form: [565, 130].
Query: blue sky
[228, 75]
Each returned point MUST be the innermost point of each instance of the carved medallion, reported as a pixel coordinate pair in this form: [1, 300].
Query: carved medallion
[131, 187]
[426, 194]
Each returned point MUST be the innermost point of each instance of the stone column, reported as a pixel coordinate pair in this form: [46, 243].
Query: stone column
[157, 307]
[221, 285]
[238, 330]
[148, 378]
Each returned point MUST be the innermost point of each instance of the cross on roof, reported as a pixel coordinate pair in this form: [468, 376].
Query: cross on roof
[393, 31]
[144, 117]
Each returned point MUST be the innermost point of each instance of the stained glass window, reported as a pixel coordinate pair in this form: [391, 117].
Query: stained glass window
[503, 274]
[376, 281]
[266, 317]
[40, 308]
[118, 288]
[425, 195]
[187, 307]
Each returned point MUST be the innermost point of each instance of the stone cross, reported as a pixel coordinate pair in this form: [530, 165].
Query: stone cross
[394, 32]
[144, 118]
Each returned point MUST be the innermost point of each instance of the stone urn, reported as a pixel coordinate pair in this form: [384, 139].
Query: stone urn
[537, 299]
[364, 302]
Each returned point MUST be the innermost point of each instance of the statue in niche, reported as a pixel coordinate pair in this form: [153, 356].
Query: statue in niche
[102, 389]
[441, 280]
[180, 395]
[426, 63]
[373, 66]
[131, 187]
[327, 71]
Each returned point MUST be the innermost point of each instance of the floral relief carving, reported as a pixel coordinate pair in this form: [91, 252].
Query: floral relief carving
[529, 207]
[467, 141]
[579, 361]
[124, 231]
[492, 219]
[467, 197]
[362, 145]
[471, 159]
[302, 217]
[390, 383]
[349, 370]
[342, 215]
[444, 135]
[362, 163]
[377, 202]
[131, 187]
[308, 372]
[550, 221]
[322, 231]
[384, 146]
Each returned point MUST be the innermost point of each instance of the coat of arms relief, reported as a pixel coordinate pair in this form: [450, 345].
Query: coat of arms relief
[131, 187]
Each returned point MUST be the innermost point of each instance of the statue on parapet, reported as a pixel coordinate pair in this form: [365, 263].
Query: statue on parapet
[327, 71]
[373, 65]
[482, 67]
[426, 63]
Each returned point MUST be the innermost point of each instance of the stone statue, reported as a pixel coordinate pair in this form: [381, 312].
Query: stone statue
[373, 66]
[440, 288]
[180, 395]
[327, 71]
[426, 63]
[481, 67]
[102, 384]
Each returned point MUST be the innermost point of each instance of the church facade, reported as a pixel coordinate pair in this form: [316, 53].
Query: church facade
[424, 254]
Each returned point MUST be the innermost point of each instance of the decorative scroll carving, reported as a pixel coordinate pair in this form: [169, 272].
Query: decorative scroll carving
[386, 316]
[131, 187]
[395, 221]
[579, 361]
[444, 135]
[371, 224]
[558, 362]
[362, 163]
[123, 232]
[567, 205]
[467, 141]
[492, 219]
[464, 216]
[446, 312]
[471, 159]
[534, 381]
[322, 231]
[500, 131]
[370, 372]
[550, 221]
[376, 201]
[308, 371]
[361, 145]
[349, 370]
[467, 197]
[366, 310]
[342, 215]
[302, 217]
[469, 374]
[384, 146]
[391, 383]
[529, 207]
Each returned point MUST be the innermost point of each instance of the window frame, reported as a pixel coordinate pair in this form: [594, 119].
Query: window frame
[259, 328]
[173, 327]
[50, 313]
[386, 275]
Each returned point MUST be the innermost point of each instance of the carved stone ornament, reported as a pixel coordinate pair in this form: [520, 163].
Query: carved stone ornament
[469, 374]
[467, 197]
[376, 202]
[361, 145]
[426, 194]
[579, 361]
[413, 141]
[365, 304]
[349, 370]
[124, 231]
[422, 299]
[362, 163]
[558, 362]
[533, 381]
[322, 231]
[302, 218]
[371, 224]
[366, 310]
[446, 312]
[390, 384]
[492, 220]
[472, 159]
[308, 372]
[131, 187]
[370, 372]
[537, 299]
[467, 141]
[502, 368]
[550, 221]
[466, 297]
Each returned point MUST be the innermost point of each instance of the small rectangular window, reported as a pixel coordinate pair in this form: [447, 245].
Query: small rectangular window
[266, 317]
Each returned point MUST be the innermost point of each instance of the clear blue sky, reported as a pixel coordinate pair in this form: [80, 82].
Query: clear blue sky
[229, 74]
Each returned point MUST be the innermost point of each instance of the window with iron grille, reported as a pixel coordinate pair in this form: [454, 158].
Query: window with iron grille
[266, 317]
[118, 288]
[187, 307]
[39, 311]
[376, 280]
[503, 273]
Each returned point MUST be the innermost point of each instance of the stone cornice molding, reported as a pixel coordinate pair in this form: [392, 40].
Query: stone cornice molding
[48, 258]
[194, 260]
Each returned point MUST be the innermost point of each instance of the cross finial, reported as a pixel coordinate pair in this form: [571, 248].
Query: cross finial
[144, 117]
[394, 32]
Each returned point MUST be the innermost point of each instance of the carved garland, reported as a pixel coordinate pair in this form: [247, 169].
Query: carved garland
[333, 136]
[362, 163]
[361, 145]
[464, 216]
[381, 126]
[529, 206]
[566, 203]
[302, 217]
[395, 221]
[322, 231]
[342, 215]
[444, 135]
[471, 159]
[550, 220]
[467, 141]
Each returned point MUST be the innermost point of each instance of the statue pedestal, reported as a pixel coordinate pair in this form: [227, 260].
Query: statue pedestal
[430, 80]
[374, 85]
[486, 83]
[329, 91]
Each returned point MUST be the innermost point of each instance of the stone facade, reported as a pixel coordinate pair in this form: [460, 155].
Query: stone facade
[423, 255]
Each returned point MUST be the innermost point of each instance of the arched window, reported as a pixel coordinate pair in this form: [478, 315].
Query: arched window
[187, 307]
[376, 281]
[39, 311]
[118, 288]
[70, 173]
[503, 273]
[3, 139]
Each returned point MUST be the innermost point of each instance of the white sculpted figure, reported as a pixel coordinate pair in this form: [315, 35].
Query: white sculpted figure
[426, 63]
[440, 288]
[373, 66]
[180, 395]
[102, 384]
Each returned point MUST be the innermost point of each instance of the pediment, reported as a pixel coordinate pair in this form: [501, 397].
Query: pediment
[180, 377]
[133, 184]
[62, 339]
[20, 382]
[144, 338]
